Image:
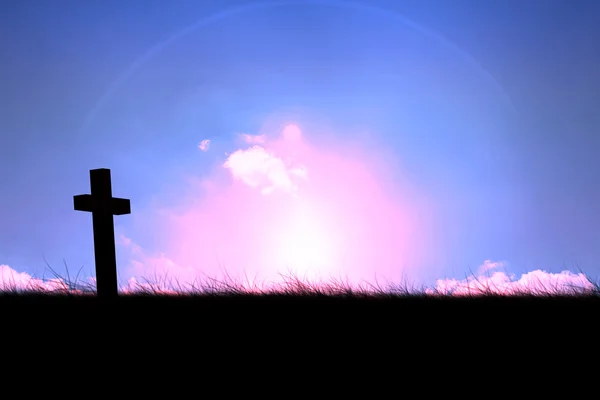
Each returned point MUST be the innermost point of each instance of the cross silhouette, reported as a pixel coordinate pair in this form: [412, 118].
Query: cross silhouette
[103, 206]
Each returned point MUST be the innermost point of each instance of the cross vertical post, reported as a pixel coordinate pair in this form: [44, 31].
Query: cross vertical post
[103, 206]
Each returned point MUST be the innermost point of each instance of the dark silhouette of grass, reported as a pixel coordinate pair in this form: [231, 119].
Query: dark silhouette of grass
[291, 289]
[289, 285]
[212, 313]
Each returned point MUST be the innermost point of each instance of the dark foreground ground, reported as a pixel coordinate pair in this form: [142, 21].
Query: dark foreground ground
[293, 342]
[301, 314]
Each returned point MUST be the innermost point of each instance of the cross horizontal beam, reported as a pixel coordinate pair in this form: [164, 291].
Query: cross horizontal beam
[115, 206]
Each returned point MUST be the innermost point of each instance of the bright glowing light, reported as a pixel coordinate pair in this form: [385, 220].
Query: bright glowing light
[286, 205]
[305, 242]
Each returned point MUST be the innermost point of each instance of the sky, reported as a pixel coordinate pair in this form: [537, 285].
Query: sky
[426, 141]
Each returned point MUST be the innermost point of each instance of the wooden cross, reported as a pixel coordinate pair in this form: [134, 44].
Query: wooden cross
[103, 206]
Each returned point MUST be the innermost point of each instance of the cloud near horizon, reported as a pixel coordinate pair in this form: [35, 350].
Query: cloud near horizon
[537, 282]
[498, 282]
[11, 280]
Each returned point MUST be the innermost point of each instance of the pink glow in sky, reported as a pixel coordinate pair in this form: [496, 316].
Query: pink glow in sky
[279, 204]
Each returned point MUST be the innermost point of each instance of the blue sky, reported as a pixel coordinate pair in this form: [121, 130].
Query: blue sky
[490, 108]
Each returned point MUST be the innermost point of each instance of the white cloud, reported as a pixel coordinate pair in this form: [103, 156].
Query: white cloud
[536, 282]
[11, 281]
[253, 139]
[489, 265]
[263, 170]
[204, 145]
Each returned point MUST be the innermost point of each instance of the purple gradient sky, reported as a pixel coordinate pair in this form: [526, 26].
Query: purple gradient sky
[492, 107]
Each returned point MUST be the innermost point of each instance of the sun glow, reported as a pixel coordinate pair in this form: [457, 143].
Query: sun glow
[305, 242]
[281, 204]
